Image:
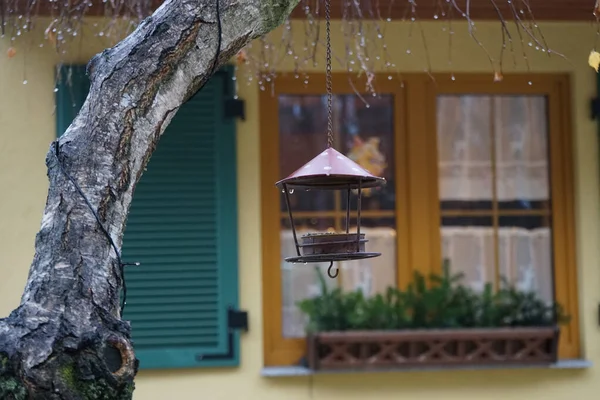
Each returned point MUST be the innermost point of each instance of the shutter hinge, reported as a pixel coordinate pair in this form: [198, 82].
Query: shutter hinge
[595, 108]
[235, 108]
[237, 319]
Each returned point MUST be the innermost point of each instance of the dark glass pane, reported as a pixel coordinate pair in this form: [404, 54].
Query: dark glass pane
[373, 199]
[314, 200]
[376, 120]
[365, 135]
[304, 116]
[309, 224]
[467, 221]
[487, 205]
[458, 205]
[524, 205]
[525, 221]
[370, 222]
[367, 138]
[302, 136]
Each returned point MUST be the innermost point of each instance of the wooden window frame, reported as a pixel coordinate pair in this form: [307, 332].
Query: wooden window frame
[417, 221]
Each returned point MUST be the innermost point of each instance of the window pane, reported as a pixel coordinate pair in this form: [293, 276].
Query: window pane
[525, 253]
[494, 190]
[366, 135]
[468, 243]
[517, 160]
[465, 152]
[521, 152]
[373, 275]
[299, 281]
[303, 201]
[302, 135]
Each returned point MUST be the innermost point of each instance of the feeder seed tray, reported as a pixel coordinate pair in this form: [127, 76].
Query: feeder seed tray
[317, 258]
[322, 247]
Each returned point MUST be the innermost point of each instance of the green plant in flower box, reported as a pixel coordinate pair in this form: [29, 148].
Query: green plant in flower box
[433, 302]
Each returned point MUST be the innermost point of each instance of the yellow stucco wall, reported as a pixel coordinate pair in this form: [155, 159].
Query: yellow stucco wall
[27, 126]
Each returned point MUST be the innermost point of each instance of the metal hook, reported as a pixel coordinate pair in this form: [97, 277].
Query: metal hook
[330, 273]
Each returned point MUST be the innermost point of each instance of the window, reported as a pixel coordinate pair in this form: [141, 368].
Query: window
[182, 228]
[478, 173]
[494, 189]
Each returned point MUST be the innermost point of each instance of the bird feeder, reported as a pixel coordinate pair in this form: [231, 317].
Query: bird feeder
[330, 170]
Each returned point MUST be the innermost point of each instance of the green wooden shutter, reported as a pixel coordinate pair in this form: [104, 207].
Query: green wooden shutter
[182, 228]
[72, 89]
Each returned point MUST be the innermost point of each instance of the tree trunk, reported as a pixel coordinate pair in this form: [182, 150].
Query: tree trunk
[66, 339]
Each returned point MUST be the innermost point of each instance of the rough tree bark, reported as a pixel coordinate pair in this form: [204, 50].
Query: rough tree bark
[66, 339]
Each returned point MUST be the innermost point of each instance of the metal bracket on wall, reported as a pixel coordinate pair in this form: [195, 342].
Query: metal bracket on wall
[235, 108]
[595, 102]
[595, 108]
[236, 320]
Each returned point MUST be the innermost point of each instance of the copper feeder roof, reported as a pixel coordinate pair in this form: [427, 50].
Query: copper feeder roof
[331, 170]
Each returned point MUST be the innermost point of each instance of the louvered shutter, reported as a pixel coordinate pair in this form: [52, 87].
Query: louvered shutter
[72, 89]
[182, 228]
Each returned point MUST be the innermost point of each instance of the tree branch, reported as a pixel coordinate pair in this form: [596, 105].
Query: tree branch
[69, 312]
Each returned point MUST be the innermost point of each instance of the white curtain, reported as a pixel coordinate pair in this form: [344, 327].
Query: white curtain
[524, 256]
[465, 142]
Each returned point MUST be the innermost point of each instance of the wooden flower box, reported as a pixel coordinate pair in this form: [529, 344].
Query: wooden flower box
[432, 348]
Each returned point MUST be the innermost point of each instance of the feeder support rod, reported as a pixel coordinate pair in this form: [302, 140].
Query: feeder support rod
[348, 213]
[358, 216]
[289, 208]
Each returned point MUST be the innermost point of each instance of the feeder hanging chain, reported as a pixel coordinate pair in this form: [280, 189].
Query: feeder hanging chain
[328, 76]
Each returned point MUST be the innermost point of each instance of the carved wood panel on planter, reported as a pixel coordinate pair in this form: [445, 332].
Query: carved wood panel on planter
[415, 348]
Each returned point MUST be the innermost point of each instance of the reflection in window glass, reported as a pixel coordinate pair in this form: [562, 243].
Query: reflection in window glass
[365, 135]
[494, 189]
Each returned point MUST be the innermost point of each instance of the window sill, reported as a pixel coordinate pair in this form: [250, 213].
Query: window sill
[287, 371]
